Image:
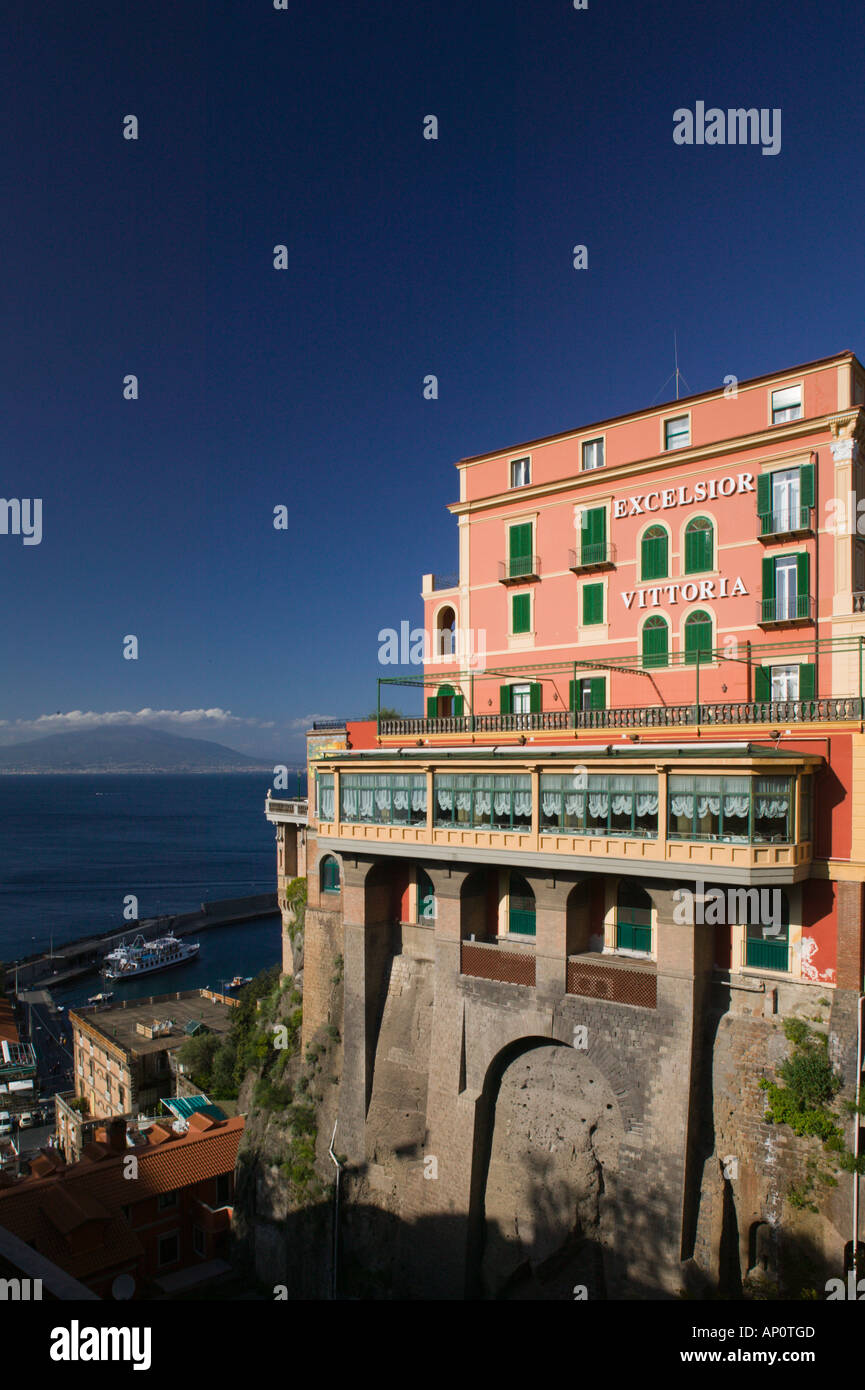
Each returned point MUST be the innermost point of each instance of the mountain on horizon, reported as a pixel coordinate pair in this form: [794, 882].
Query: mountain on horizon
[124, 748]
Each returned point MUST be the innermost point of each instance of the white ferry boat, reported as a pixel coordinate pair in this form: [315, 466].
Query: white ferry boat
[144, 957]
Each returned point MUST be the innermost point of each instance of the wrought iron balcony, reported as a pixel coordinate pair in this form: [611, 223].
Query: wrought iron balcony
[600, 555]
[773, 712]
[785, 609]
[519, 568]
[785, 521]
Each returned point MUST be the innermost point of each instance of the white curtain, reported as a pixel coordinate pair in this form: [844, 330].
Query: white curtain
[349, 802]
[599, 804]
[647, 803]
[464, 801]
[503, 803]
[483, 803]
[773, 808]
[522, 803]
[445, 798]
[623, 803]
[682, 806]
[708, 806]
[418, 799]
[366, 803]
[382, 800]
[735, 805]
[325, 811]
[400, 800]
[551, 804]
[575, 803]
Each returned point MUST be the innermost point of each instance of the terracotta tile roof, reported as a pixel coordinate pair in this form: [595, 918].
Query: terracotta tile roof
[46, 1210]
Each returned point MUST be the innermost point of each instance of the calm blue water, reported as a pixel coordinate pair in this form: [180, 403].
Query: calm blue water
[72, 847]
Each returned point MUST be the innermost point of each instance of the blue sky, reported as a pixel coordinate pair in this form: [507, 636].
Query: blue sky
[406, 257]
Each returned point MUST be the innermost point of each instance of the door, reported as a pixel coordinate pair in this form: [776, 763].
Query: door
[786, 589]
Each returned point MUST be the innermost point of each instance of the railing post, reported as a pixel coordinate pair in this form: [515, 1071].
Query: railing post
[472, 699]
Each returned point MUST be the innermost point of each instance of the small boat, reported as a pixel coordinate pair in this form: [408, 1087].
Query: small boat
[144, 957]
[101, 998]
[239, 981]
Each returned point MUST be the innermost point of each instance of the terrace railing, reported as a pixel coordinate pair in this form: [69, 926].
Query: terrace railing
[840, 709]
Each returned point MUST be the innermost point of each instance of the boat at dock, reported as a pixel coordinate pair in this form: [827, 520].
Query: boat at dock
[101, 998]
[239, 981]
[145, 957]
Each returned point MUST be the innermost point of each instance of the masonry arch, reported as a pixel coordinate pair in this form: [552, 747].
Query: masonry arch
[547, 1124]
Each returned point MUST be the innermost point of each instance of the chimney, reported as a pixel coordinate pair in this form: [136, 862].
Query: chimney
[117, 1136]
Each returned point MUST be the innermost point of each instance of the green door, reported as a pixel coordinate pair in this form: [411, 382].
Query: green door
[520, 550]
[521, 907]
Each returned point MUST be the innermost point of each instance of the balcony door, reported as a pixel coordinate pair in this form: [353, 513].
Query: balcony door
[786, 499]
[786, 588]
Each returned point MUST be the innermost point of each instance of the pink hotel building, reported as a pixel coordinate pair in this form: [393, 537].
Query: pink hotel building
[646, 677]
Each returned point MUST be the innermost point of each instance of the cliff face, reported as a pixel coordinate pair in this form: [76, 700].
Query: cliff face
[569, 1182]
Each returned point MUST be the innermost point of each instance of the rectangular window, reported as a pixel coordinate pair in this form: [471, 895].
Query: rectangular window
[593, 604]
[324, 795]
[383, 798]
[521, 472]
[593, 454]
[520, 550]
[521, 613]
[169, 1250]
[785, 499]
[166, 1200]
[677, 432]
[484, 800]
[521, 699]
[588, 694]
[223, 1189]
[737, 810]
[786, 404]
[600, 804]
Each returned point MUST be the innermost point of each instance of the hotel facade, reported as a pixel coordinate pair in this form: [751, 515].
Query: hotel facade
[578, 893]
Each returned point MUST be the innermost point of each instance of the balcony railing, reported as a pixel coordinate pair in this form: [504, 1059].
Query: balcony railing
[519, 568]
[835, 710]
[598, 555]
[620, 984]
[785, 521]
[489, 961]
[785, 608]
[859, 602]
[445, 581]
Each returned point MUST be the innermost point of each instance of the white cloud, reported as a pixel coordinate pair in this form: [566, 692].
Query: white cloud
[71, 721]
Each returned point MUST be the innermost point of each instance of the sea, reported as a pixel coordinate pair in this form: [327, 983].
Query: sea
[72, 847]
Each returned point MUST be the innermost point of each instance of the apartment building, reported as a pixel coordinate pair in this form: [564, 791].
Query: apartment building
[642, 699]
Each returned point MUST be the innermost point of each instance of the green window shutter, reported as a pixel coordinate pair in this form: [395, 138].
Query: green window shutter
[505, 701]
[458, 706]
[521, 613]
[808, 681]
[803, 578]
[764, 493]
[654, 556]
[573, 687]
[806, 485]
[762, 683]
[593, 604]
[698, 549]
[535, 697]
[768, 579]
[593, 535]
[698, 637]
[598, 686]
[432, 706]
[520, 550]
[655, 645]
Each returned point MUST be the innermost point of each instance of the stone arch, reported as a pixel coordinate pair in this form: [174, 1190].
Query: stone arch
[444, 631]
[547, 1124]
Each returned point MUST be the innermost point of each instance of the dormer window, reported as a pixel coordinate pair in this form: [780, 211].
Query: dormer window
[521, 472]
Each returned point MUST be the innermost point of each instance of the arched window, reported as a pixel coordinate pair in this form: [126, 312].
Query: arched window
[329, 875]
[698, 637]
[655, 554]
[633, 918]
[656, 641]
[446, 703]
[521, 907]
[699, 545]
[445, 633]
[426, 901]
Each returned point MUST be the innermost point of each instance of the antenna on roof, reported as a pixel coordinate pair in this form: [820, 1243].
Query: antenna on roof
[675, 374]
